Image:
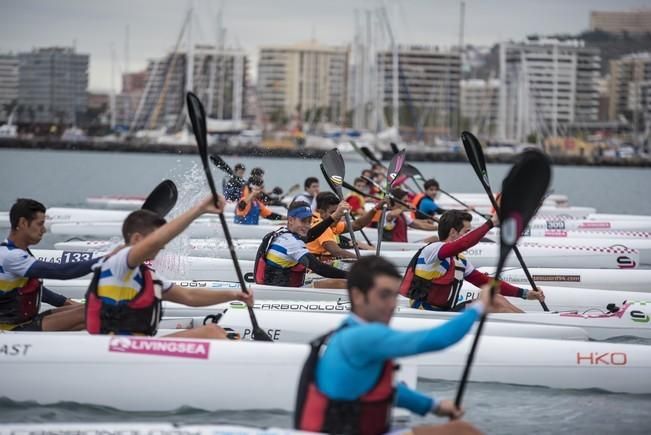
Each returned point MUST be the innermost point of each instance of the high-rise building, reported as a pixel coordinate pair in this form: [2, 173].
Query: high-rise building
[52, 85]
[630, 79]
[545, 85]
[636, 21]
[8, 84]
[428, 86]
[479, 105]
[303, 78]
[221, 85]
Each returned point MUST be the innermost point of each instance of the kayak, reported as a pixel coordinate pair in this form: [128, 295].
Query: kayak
[300, 322]
[584, 234]
[603, 216]
[140, 429]
[635, 280]
[589, 224]
[203, 367]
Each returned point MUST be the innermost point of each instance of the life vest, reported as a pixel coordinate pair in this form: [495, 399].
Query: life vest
[370, 414]
[270, 275]
[399, 231]
[442, 292]
[21, 304]
[140, 315]
[415, 201]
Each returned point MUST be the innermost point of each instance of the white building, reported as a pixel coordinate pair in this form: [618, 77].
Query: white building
[546, 84]
[479, 105]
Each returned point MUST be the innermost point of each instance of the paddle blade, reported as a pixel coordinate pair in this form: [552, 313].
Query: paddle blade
[327, 178]
[198, 120]
[410, 171]
[334, 170]
[395, 166]
[370, 156]
[221, 164]
[394, 148]
[476, 157]
[522, 191]
[162, 199]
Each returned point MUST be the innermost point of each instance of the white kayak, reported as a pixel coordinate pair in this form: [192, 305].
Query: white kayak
[300, 322]
[635, 280]
[588, 224]
[201, 367]
[584, 234]
[124, 202]
[604, 216]
[95, 428]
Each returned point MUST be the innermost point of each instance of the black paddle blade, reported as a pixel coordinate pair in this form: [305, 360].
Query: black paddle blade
[394, 148]
[395, 166]
[522, 191]
[334, 170]
[409, 170]
[370, 156]
[476, 157]
[198, 120]
[327, 178]
[221, 164]
[162, 199]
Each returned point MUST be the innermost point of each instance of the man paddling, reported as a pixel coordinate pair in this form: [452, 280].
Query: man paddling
[329, 207]
[21, 288]
[436, 273]
[282, 258]
[251, 207]
[349, 387]
[125, 295]
[311, 186]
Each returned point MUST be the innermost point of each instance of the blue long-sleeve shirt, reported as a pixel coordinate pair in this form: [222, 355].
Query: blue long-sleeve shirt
[428, 206]
[355, 357]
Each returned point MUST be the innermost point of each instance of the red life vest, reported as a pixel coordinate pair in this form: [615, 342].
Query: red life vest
[370, 414]
[270, 275]
[399, 231]
[139, 315]
[22, 304]
[442, 292]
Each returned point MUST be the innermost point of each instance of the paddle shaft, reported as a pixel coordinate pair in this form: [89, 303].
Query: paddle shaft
[380, 229]
[349, 224]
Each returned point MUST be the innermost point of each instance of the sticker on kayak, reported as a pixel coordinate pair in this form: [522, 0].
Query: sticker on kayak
[160, 347]
[75, 256]
[555, 233]
[600, 225]
[557, 278]
[602, 358]
[555, 225]
[624, 262]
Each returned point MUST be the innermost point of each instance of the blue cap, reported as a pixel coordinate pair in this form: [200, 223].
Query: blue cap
[300, 212]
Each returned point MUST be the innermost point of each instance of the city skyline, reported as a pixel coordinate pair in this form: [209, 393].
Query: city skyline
[154, 25]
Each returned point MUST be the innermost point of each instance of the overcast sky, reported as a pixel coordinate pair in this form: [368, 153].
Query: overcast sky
[154, 25]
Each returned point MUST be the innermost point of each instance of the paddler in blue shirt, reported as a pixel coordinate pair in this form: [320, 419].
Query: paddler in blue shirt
[21, 286]
[349, 387]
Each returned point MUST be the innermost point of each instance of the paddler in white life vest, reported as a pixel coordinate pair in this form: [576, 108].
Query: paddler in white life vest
[283, 258]
[329, 208]
[436, 273]
[349, 388]
[125, 294]
[21, 286]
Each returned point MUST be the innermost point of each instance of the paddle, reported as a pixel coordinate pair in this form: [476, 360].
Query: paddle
[522, 190]
[198, 120]
[395, 165]
[162, 199]
[221, 164]
[476, 158]
[334, 170]
[370, 156]
[394, 148]
[344, 184]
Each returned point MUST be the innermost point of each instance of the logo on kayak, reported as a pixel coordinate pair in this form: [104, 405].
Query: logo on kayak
[606, 358]
[624, 262]
[555, 225]
[639, 316]
[164, 347]
[557, 278]
[556, 233]
[595, 225]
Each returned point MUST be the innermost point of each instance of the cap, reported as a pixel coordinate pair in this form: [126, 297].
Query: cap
[300, 212]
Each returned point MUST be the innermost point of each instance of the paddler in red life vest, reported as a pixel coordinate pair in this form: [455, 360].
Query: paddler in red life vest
[21, 286]
[349, 388]
[250, 207]
[125, 295]
[436, 273]
[399, 218]
[283, 258]
[356, 200]
[329, 208]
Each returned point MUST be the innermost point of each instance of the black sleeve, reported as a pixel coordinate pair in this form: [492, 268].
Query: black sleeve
[323, 269]
[42, 269]
[52, 298]
[318, 229]
[275, 217]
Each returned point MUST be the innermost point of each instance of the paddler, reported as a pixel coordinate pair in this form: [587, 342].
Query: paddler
[436, 273]
[125, 294]
[328, 207]
[311, 186]
[357, 201]
[349, 387]
[21, 286]
[282, 258]
[250, 206]
[398, 219]
[232, 186]
[425, 202]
